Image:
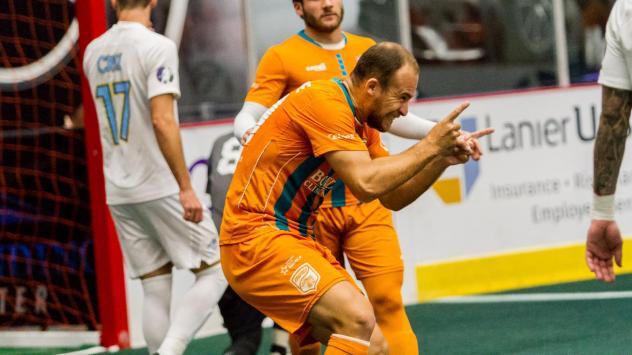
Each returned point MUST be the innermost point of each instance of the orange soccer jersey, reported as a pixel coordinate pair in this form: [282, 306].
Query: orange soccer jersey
[300, 59]
[282, 176]
[281, 71]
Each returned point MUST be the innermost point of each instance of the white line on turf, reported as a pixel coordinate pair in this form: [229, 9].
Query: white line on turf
[536, 297]
[88, 351]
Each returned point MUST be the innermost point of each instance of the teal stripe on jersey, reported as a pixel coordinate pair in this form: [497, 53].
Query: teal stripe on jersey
[338, 194]
[341, 64]
[292, 185]
[304, 36]
[308, 209]
[347, 95]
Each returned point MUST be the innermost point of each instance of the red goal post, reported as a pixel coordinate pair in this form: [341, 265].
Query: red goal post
[108, 259]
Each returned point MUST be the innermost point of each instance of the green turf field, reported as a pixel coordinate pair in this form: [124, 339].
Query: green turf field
[501, 326]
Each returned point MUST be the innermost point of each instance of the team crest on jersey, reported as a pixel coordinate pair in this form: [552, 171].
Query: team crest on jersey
[305, 279]
[165, 75]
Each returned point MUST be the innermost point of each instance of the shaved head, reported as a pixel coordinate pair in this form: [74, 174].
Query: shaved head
[381, 62]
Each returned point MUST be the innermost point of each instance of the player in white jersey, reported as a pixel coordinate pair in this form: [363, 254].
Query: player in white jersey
[133, 75]
[603, 242]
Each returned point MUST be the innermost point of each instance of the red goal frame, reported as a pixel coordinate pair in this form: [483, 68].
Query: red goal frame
[107, 252]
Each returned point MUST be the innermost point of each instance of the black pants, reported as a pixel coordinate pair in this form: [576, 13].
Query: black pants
[243, 323]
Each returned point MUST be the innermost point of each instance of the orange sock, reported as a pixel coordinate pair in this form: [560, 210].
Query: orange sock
[345, 345]
[403, 343]
[386, 298]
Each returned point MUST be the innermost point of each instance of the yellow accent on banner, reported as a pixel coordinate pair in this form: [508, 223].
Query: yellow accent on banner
[449, 190]
[507, 271]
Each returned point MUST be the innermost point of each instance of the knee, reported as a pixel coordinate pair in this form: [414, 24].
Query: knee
[358, 321]
[379, 345]
[387, 303]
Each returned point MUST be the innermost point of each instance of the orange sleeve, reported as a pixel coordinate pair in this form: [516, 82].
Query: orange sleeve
[270, 80]
[328, 123]
[377, 149]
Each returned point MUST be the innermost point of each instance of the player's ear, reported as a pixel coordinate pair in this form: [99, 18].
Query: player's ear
[153, 3]
[298, 8]
[113, 3]
[372, 86]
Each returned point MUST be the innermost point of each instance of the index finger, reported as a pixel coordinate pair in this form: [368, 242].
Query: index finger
[481, 133]
[456, 112]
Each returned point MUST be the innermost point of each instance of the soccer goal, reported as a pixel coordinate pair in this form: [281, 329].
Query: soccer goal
[61, 271]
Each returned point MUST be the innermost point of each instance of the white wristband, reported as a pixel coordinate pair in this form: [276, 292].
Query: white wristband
[603, 208]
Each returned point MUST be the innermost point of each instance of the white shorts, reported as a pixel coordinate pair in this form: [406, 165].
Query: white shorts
[616, 67]
[154, 233]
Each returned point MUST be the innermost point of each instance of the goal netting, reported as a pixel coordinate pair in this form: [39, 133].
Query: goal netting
[47, 274]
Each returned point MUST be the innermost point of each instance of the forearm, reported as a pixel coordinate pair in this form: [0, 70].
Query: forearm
[168, 137]
[383, 175]
[614, 127]
[411, 126]
[405, 194]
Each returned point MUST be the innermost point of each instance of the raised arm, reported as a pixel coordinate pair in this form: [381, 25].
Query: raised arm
[168, 137]
[418, 184]
[411, 126]
[376, 178]
[369, 178]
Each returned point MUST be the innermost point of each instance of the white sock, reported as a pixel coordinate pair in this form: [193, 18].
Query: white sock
[280, 341]
[156, 304]
[193, 310]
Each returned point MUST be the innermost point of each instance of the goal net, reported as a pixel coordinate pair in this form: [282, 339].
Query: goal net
[47, 273]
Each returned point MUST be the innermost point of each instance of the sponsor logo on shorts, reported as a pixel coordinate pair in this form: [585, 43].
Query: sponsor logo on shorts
[305, 279]
[289, 264]
[165, 75]
[317, 67]
[337, 136]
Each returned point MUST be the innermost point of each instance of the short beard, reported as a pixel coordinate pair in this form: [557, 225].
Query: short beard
[313, 22]
[374, 122]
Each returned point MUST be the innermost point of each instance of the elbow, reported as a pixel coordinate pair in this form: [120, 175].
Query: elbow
[364, 193]
[162, 122]
[391, 205]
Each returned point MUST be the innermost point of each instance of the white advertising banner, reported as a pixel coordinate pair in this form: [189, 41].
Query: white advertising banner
[532, 189]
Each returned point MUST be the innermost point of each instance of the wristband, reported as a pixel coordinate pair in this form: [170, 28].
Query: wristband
[603, 207]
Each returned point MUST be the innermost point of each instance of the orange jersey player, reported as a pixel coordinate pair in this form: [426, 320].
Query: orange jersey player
[320, 133]
[299, 59]
[364, 232]
[292, 170]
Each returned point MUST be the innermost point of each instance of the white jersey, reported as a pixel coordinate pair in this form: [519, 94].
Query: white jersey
[616, 68]
[126, 67]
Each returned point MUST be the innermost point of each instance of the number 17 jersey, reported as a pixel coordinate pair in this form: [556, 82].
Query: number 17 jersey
[126, 67]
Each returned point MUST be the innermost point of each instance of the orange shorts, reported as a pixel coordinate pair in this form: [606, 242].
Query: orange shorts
[282, 275]
[365, 233]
